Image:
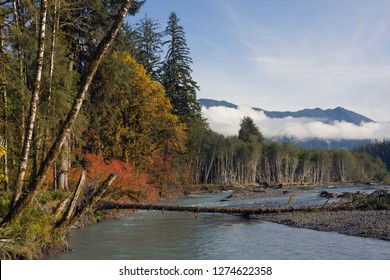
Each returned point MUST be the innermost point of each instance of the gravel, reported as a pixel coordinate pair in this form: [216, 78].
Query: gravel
[374, 224]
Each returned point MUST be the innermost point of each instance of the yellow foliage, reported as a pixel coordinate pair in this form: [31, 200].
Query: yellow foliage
[147, 124]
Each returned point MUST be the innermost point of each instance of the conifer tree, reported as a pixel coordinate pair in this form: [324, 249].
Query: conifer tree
[149, 46]
[249, 130]
[176, 72]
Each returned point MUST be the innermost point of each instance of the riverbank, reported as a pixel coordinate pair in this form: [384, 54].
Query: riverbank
[363, 223]
[365, 215]
[373, 224]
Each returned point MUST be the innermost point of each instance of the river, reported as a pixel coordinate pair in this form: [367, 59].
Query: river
[174, 235]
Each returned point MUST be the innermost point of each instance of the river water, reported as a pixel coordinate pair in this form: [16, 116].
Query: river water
[177, 235]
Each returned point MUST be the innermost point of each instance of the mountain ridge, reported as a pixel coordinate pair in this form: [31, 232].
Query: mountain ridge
[328, 115]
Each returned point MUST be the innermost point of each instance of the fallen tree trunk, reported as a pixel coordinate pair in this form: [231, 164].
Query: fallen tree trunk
[246, 212]
[70, 203]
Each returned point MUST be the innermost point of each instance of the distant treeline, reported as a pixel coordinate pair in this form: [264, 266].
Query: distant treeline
[380, 149]
[243, 160]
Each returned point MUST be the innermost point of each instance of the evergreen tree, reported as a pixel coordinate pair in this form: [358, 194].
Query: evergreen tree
[84, 23]
[126, 40]
[176, 72]
[149, 46]
[249, 130]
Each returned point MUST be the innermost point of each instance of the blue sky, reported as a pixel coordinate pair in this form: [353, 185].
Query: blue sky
[287, 55]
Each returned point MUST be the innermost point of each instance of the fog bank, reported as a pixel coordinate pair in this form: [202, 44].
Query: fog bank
[226, 121]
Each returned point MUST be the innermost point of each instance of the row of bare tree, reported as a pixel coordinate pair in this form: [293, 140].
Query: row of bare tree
[231, 160]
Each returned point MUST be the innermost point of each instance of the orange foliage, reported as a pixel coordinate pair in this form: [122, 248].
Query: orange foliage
[161, 171]
[129, 184]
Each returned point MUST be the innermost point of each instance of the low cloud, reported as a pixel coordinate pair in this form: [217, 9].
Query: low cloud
[227, 122]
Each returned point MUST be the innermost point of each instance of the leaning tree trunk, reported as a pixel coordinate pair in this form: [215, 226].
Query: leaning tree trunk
[36, 182]
[64, 164]
[67, 207]
[33, 105]
[72, 216]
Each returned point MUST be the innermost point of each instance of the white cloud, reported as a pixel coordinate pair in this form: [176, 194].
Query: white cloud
[227, 122]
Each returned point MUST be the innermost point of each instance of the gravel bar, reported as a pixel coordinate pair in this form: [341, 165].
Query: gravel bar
[374, 224]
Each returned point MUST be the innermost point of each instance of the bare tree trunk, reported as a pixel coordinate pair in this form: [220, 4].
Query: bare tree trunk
[76, 196]
[16, 10]
[96, 196]
[37, 181]
[209, 167]
[33, 105]
[3, 86]
[59, 211]
[64, 162]
[5, 163]
[55, 176]
[68, 213]
[52, 47]
[71, 219]
[36, 147]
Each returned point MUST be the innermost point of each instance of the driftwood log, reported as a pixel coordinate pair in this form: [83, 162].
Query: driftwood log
[246, 212]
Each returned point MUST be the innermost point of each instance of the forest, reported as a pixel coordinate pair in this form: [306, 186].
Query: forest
[378, 149]
[91, 99]
[247, 158]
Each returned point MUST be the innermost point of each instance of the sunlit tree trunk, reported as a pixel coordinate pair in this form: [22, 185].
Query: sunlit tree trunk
[33, 105]
[3, 88]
